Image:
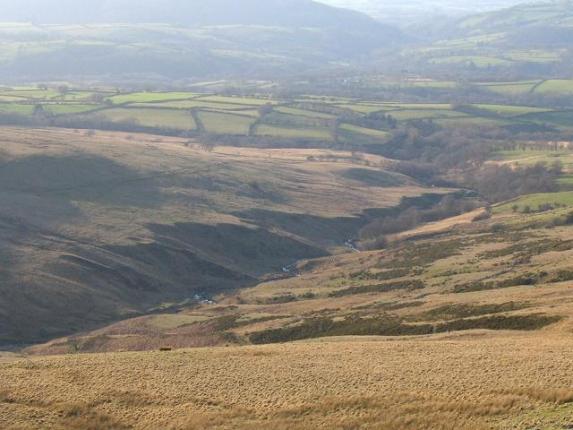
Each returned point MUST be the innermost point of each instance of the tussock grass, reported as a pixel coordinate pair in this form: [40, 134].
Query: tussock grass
[5, 397]
[464, 383]
[81, 417]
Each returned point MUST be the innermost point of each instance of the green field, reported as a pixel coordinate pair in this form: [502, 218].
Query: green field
[22, 109]
[414, 106]
[566, 182]
[535, 56]
[562, 119]
[303, 117]
[249, 101]
[379, 134]
[65, 109]
[505, 110]
[253, 113]
[150, 97]
[510, 88]
[528, 157]
[32, 93]
[304, 112]
[362, 108]
[157, 118]
[12, 99]
[223, 123]
[293, 133]
[431, 84]
[534, 201]
[408, 115]
[470, 121]
[193, 104]
[556, 86]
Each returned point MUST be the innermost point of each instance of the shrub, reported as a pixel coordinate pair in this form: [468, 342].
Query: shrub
[410, 285]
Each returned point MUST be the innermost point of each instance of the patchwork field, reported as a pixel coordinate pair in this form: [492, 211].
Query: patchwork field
[155, 118]
[306, 120]
[279, 215]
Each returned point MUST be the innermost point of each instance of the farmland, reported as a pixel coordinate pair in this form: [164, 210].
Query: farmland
[494, 41]
[247, 138]
[281, 215]
[306, 118]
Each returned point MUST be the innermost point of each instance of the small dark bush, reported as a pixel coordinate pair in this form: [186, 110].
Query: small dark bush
[380, 288]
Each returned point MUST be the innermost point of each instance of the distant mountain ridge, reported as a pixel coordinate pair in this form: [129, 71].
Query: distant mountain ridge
[533, 40]
[548, 22]
[182, 38]
[288, 13]
[406, 12]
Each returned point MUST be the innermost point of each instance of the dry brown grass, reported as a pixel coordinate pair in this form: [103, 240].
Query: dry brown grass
[136, 213]
[462, 382]
[558, 396]
[475, 259]
[442, 226]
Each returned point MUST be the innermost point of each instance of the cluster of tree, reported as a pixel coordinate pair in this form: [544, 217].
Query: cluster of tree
[498, 183]
[424, 141]
[87, 122]
[374, 120]
[464, 93]
[544, 207]
[293, 121]
[372, 235]
[253, 141]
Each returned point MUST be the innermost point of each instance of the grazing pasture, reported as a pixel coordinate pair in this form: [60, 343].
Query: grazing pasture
[226, 123]
[152, 117]
[317, 118]
[294, 133]
[151, 97]
[555, 86]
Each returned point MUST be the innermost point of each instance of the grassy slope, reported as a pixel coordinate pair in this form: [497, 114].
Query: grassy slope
[476, 379]
[529, 34]
[506, 272]
[161, 118]
[94, 228]
[474, 382]
[471, 380]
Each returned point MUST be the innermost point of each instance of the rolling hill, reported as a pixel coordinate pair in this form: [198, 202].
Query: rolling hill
[531, 38]
[464, 325]
[182, 39]
[188, 13]
[531, 25]
[406, 13]
[510, 271]
[97, 228]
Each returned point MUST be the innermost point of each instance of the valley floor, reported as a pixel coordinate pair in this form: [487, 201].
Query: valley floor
[477, 380]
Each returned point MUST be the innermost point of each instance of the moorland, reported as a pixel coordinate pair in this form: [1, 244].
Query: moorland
[264, 218]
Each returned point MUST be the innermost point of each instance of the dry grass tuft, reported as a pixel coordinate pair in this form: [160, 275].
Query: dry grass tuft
[436, 383]
[559, 396]
[5, 397]
[82, 417]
